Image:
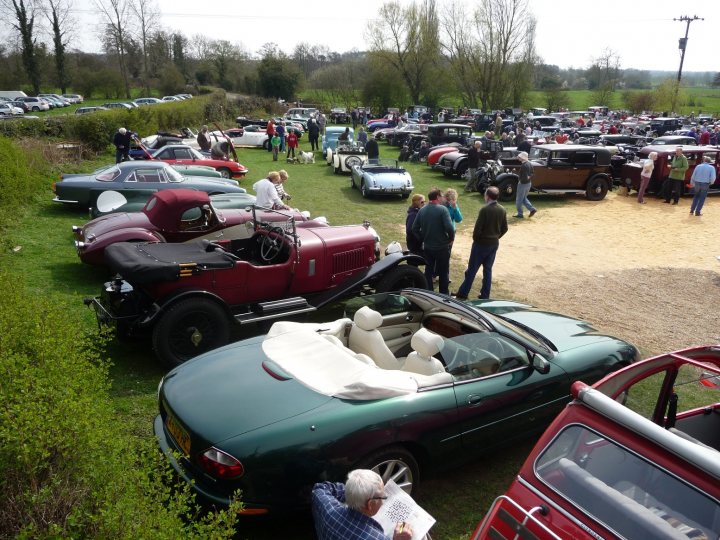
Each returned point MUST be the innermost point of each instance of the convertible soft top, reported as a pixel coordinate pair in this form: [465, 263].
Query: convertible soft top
[151, 263]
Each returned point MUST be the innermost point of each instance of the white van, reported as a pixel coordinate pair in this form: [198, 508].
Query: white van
[12, 94]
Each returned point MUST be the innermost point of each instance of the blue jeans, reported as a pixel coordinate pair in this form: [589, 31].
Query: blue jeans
[701, 191]
[438, 261]
[484, 256]
[521, 198]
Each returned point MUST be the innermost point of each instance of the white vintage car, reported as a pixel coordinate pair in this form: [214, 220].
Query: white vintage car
[347, 155]
[244, 136]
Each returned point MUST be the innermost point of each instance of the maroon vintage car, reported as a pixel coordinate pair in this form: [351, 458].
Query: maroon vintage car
[189, 295]
[173, 215]
[635, 456]
[630, 176]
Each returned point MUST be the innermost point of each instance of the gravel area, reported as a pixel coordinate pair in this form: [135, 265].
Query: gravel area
[647, 273]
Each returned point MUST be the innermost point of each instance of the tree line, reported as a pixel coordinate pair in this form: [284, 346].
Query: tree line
[485, 57]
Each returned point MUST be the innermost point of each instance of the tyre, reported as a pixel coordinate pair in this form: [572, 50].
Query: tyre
[189, 328]
[461, 169]
[405, 195]
[401, 277]
[224, 172]
[597, 188]
[364, 191]
[36, 109]
[353, 161]
[266, 144]
[352, 182]
[394, 463]
[508, 188]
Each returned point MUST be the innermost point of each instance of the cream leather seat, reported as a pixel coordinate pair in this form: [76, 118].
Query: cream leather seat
[425, 344]
[365, 338]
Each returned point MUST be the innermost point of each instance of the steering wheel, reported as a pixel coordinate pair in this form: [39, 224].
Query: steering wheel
[271, 244]
[494, 346]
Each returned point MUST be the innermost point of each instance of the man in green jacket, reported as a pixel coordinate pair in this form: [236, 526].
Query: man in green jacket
[490, 226]
[434, 227]
[675, 182]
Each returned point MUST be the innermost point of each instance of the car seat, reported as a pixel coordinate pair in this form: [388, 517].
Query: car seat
[365, 338]
[425, 345]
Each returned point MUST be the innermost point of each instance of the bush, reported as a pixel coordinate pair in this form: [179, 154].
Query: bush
[66, 466]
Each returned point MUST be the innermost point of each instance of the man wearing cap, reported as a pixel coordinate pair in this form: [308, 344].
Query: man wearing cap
[523, 188]
[473, 161]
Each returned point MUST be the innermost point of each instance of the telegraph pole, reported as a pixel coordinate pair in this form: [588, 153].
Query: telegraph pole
[682, 45]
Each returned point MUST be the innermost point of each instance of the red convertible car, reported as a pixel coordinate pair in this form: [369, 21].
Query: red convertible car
[182, 154]
[635, 456]
[173, 215]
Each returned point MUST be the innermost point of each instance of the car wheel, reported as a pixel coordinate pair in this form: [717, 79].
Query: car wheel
[597, 188]
[224, 172]
[36, 109]
[397, 464]
[401, 277]
[352, 181]
[189, 328]
[329, 156]
[353, 161]
[507, 188]
[266, 144]
[461, 169]
[364, 191]
[405, 195]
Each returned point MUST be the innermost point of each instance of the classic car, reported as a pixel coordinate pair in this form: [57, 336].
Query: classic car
[181, 154]
[662, 125]
[347, 155]
[173, 215]
[675, 140]
[131, 176]
[437, 152]
[401, 383]
[564, 168]
[331, 136]
[189, 296]
[402, 135]
[387, 121]
[636, 455]
[339, 115]
[245, 136]
[144, 148]
[448, 133]
[630, 174]
[108, 202]
[619, 139]
[381, 177]
[455, 163]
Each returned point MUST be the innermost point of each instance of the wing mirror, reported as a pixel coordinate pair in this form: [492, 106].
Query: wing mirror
[540, 364]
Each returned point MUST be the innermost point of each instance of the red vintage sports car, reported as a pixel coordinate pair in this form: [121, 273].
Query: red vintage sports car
[635, 456]
[172, 215]
[182, 154]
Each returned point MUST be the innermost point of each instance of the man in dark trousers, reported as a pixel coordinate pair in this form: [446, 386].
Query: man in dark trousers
[313, 134]
[473, 162]
[121, 140]
[490, 226]
[434, 227]
[371, 147]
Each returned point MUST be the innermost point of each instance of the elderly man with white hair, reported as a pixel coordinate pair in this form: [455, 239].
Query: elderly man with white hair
[523, 188]
[345, 512]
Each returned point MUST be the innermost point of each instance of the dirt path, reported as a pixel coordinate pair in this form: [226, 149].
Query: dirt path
[646, 273]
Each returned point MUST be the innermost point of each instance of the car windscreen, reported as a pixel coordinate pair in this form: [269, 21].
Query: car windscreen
[173, 175]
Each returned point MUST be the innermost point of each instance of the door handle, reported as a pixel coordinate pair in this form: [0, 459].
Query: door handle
[409, 318]
[535, 395]
[474, 399]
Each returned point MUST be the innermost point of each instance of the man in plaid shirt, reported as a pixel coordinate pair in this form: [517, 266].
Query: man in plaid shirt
[344, 512]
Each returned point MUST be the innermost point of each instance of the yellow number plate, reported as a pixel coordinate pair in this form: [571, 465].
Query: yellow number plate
[179, 434]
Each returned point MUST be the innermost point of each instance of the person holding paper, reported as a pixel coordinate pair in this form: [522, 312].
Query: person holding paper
[345, 512]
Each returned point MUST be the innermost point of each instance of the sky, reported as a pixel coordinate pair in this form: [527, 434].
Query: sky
[569, 33]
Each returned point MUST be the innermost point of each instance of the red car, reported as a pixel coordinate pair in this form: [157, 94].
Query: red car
[439, 151]
[184, 155]
[172, 215]
[189, 296]
[635, 456]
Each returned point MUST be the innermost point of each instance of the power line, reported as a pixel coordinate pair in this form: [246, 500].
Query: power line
[682, 45]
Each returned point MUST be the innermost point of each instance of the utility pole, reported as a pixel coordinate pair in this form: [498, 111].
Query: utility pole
[682, 45]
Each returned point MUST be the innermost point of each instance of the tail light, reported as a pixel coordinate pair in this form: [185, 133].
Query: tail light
[220, 464]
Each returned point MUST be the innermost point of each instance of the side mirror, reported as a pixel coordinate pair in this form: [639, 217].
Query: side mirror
[540, 364]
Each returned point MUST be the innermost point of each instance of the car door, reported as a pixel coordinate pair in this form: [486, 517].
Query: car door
[183, 156]
[557, 173]
[499, 396]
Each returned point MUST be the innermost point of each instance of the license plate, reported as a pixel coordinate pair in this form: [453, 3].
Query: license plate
[179, 434]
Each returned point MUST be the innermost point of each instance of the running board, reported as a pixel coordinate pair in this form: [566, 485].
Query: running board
[274, 309]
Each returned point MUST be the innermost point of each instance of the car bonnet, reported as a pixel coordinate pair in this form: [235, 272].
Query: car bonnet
[227, 392]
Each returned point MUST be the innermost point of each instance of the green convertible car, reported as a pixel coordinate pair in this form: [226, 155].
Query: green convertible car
[400, 383]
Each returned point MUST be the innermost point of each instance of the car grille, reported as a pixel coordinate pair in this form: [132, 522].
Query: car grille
[348, 260]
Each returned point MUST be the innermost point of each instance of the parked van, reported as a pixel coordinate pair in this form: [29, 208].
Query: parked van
[12, 94]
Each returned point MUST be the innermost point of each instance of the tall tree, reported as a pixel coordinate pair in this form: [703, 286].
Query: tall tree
[116, 34]
[603, 76]
[278, 76]
[493, 50]
[407, 39]
[23, 22]
[147, 17]
[58, 16]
